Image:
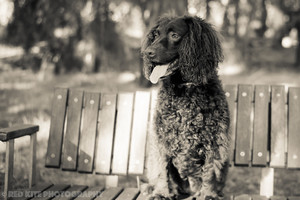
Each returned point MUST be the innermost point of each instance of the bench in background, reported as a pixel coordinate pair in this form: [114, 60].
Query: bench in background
[106, 134]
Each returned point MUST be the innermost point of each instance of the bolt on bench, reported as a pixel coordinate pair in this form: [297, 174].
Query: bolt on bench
[107, 134]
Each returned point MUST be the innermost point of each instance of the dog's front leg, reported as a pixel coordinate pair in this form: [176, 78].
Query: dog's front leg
[158, 175]
[213, 178]
[161, 186]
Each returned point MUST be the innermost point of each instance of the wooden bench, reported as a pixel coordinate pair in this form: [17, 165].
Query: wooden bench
[107, 134]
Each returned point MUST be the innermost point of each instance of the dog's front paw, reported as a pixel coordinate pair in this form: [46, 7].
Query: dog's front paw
[147, 189]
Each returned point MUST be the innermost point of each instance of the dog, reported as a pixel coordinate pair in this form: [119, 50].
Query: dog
[192, 117]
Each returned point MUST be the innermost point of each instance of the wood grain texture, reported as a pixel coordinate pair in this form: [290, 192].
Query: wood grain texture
[139, 133]
[278, 198]
[259, 197]
[267, 182]
[244, 125]
[71, 140]
[32, 192]
[90, 193]
[88, 132]
[294, 198]
[71, 193]
[53, 156]
[17, 131]
[278, 127]
[110, 193]
[261, 125]
[128, 194]
[231, 96]
[122, 133]
[51, 192]
[105, 133]
[32, 160]
[294, 129]
[242, 197]
[9, 167]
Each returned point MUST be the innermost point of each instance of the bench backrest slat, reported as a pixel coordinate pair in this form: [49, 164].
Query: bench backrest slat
[261, 125]
[53, 156]
[294, 129]
[88, 132]
[139, 133]
[71, 139]
[105, 133]
[243, 136]
[231, 95]
[278, 127]
[122, 133]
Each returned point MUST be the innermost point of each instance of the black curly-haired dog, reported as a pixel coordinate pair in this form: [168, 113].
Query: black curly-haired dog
[192, 117]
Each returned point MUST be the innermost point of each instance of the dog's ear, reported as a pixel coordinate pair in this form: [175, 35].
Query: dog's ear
[200, 52]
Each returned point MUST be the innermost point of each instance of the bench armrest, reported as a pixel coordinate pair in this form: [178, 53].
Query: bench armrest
[17, 131]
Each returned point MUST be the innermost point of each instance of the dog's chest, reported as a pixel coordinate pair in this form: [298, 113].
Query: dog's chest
[186, 123]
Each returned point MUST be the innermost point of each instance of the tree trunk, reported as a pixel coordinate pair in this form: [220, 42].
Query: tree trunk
[297, 63]
[236, 17]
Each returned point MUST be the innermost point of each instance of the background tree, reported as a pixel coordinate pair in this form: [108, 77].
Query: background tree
[101, 35]
[72, 33]
[291, 8]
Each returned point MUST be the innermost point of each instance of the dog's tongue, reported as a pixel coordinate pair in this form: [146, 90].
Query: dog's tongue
[158, 72]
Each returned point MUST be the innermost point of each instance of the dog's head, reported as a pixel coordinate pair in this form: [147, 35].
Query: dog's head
[187, 45]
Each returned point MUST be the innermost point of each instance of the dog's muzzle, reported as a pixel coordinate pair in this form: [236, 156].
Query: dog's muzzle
[161, 71]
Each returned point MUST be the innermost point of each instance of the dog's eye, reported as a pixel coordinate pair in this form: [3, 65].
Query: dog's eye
[155, 34]
[174, 35]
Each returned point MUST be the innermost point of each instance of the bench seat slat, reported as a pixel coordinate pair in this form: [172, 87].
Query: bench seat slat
[278, 127]
[294, 129]
[231, 95]
[110, 193]
[88, 133]
[139, 133]
[129, 194]
[51, 192]
[261, 125]
[294, 198]
[70, 147]
[242, 197]
[53, 155]
[105, 133]
[278, 198]
[90, 193]
[30, 193]
[259, 197]
[244, 127]
[141, 197]
[71, 192]
[122, 133]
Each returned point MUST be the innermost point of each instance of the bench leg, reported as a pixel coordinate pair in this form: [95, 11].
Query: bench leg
[111, 181]
[267, 182]
[9, 163]
[32, 164]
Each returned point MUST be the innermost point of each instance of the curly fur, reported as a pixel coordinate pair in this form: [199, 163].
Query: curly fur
[192, 116]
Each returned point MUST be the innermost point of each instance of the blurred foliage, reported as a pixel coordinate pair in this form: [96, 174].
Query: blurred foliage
[99, 35]
[68, 33]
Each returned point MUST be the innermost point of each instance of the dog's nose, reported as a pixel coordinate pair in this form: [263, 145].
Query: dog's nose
[150, 53]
